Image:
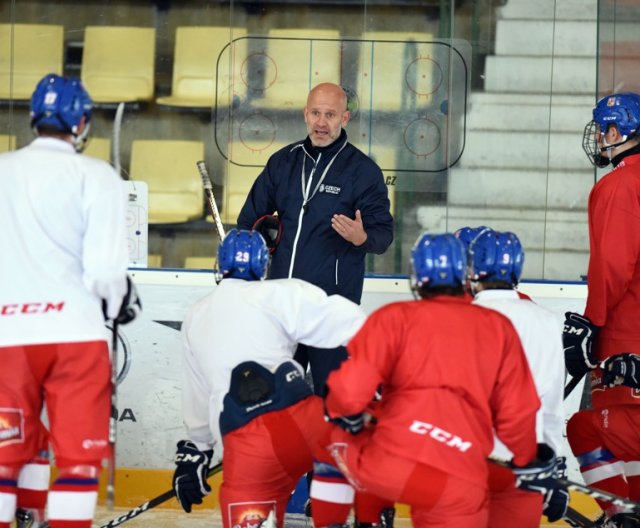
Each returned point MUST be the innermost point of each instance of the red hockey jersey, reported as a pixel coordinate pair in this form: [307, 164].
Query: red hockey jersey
[451, 372]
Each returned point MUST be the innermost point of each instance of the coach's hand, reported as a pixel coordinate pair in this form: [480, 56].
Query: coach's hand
[190, 476]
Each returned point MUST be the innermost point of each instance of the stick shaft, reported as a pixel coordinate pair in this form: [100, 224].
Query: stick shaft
[575, 518]
[208, 191]
[573, 383]
[111, 461]
[139, 510]
[596, 493]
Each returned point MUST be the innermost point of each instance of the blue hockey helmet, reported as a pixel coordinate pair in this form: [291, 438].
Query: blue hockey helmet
[437, 260]
[243, 255]
[466, 235]
[621, 110]
[60, 103]
[495, 256]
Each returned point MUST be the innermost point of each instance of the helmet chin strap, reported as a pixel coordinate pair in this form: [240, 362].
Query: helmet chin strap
[80, 140]
[604, 160]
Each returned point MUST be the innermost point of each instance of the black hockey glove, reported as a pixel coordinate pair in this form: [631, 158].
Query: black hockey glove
[540, 474]
[556, 501]
[622, 369]
[270, 228]
[190, 476]
[352, 424]
[578, 338]
[131, 305]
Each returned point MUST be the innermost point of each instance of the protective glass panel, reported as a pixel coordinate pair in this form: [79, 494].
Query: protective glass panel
[474, 109]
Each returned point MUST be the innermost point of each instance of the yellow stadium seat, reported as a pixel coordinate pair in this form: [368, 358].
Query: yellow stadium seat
[199, 53]
[206, 263]
[244, 165]
[7, 143]
[397, 71]
[99, 148]
[154, 261]
[27, 53]
[175, 186]
[293, 61]
[118, 63]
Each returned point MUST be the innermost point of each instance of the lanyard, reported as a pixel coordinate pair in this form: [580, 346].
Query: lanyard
[306, 185]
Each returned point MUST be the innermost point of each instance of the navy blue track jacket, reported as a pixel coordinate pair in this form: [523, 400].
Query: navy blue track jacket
[338, 179]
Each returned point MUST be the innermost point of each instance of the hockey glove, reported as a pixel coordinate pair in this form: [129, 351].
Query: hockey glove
[622, 369]
[129, 309]
[540, 474]
[352, 424]
[190, 476]
[556, 501]
[270, 228]
[578, 338]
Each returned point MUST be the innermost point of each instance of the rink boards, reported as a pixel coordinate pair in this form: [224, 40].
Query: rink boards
[149, 395]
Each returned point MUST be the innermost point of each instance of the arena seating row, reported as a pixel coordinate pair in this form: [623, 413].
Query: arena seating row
[220, 65]
[175, 187]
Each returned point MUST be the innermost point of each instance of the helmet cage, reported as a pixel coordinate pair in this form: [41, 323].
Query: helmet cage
[590, 145]
[620, 110]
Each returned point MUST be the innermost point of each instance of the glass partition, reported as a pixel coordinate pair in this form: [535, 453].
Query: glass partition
[474, 109]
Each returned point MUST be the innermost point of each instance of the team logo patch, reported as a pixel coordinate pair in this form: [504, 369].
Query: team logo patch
[11, 426]
[329, 189]
[249, 514]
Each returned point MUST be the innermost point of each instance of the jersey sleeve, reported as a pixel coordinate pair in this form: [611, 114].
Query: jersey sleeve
[371, 356]
[515, 401]
[195, 396]
[105, 255]
[614, 238]
[313, 318]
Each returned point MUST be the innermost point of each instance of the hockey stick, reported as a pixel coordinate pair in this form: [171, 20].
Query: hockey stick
[573, 383]
[595, 493]
[152, 503]
[111, 461]
[575, 518]
[208, 191]
[115, 143]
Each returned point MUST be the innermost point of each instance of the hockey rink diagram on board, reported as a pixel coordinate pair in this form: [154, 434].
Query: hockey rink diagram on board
[137, 193]
[415, 130]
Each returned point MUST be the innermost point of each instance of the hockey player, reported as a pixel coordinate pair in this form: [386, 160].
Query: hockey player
[495, 266]
[243, 391]
[64, 268]
[606, 438]
[434, 427]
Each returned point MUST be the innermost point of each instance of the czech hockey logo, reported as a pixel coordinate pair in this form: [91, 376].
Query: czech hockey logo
[249, 514]
[329, 189]
[11, 426]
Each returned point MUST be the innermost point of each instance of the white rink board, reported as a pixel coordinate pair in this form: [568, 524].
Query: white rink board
[149, 394]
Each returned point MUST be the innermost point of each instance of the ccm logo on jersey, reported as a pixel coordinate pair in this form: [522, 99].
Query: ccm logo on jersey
[450, 440]
[31, 308]
[292, 375]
